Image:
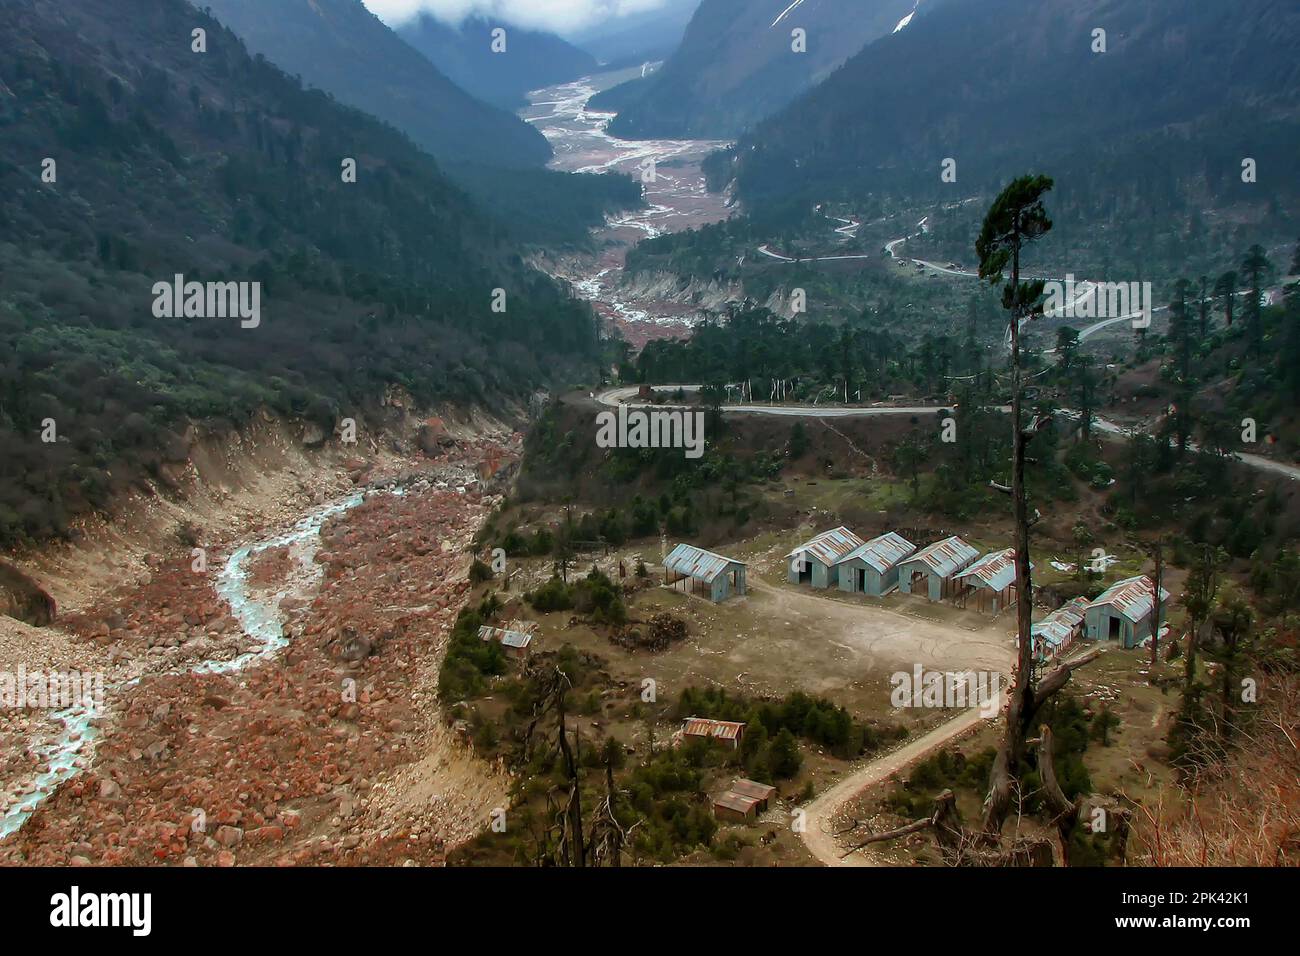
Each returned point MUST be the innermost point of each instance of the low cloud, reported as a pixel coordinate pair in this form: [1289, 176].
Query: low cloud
[559, 16]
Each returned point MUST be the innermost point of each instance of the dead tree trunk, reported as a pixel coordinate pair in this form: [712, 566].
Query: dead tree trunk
[573, 828]
[1064, 812]
[1020, 702]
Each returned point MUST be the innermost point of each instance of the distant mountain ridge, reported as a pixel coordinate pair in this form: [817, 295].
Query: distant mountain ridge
[531, 59]
[736, 63]
[1182, 94]
[649, 35]
[339, 47]
[342, 48]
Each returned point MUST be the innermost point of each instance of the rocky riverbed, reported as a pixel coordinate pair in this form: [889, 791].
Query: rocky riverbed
[279, 705]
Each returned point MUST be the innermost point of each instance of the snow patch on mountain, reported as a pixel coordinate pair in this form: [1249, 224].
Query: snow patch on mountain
[785, 11]
[907, 19]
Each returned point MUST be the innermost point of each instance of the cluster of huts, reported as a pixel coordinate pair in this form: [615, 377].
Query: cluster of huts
[746, 799]
[950, 569]
[953, 570]
[1123, 612]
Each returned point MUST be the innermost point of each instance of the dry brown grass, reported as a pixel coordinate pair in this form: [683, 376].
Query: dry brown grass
[1242, 811]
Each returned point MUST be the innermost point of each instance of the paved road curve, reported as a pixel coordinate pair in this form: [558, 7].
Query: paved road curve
[627, 396]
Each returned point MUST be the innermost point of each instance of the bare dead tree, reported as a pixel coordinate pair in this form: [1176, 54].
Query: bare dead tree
[1064, 812]
[553, 688]
[608, 837]
[574, 837]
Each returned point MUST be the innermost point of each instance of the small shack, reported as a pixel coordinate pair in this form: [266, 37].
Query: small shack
[1056, 632]
[735, 807]
[816, 561]
[931, 570]
[1123, 612]
[872, 568]
[716, 576]
[514, 642]
[729, 732]
[760, 792]
[990, 582]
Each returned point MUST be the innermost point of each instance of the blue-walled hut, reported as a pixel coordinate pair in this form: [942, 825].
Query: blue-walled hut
[1123, 612]
[815, 562]
[695, 569]
[872, 568]
[990, 581]
[931, 570]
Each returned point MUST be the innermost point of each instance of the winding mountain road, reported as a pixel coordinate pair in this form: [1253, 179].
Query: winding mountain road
[626, 395]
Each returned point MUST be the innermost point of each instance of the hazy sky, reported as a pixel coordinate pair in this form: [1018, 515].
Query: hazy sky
[557, 15]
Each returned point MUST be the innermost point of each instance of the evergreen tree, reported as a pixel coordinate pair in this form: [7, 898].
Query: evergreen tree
[783, 757]
[1225, 287]
[1255, 267]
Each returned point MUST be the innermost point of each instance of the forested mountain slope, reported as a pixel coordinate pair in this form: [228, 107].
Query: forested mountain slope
[345, 50]
[1161, 121]
[340, 47]
[129, 158]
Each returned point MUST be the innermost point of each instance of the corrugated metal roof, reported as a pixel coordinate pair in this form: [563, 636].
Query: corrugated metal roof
[946, 556]
[996, 570]
[882, 553]
[830, 547]
[1132, 597]
[707, 727]
[1071, 613]
[505, 637]
[1057, 627]
[697, 563]
[735, 801]
[752, 788]
[1053, 632]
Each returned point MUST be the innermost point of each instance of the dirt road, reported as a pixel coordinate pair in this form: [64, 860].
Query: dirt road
[818, 833]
